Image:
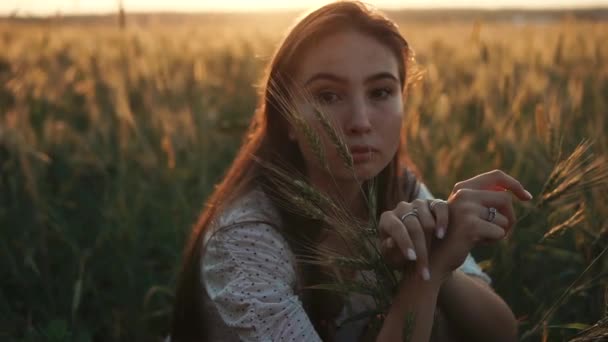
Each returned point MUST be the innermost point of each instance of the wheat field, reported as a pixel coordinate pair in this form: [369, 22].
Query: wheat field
[111, 139]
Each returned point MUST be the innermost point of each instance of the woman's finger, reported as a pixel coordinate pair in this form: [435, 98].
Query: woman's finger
[500, 200]
[401, 237]
[487, 231]
[496, 180]
[391, 253]
[418, 238]
[495, 218]
[425, 217]
[382, 226]
[439, 208]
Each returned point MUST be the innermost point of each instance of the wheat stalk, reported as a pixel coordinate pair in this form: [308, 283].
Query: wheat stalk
[290, 113]
[296, 195]
[565, 190]
[336, 139]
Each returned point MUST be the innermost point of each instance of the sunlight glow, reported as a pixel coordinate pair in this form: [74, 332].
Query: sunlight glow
[44, 7]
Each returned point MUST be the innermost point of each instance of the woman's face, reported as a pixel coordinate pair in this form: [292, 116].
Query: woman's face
[354, 79]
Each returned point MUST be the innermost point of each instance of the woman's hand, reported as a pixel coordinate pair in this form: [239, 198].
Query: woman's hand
[406, 232]
[471, 221]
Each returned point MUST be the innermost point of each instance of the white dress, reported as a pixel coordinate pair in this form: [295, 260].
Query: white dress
[248, 271]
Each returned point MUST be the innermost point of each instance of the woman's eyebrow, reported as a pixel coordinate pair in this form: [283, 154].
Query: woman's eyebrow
[380, 76]
[335, 78]
[325, 76]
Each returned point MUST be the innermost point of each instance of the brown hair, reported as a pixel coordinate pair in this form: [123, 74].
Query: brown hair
[267, 137]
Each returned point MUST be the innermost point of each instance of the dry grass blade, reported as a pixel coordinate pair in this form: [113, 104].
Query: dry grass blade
[577, 218]
[597, 332]
[563, 297]
[579, 172]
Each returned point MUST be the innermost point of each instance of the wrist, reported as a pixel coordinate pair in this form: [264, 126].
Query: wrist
[415, 296]
[424, 290]
[441, 274]
[415, 280]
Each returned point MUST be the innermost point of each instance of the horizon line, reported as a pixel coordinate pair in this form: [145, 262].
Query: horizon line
[27, 14]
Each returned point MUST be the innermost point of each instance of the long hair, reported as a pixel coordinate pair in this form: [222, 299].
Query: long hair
[266, 138]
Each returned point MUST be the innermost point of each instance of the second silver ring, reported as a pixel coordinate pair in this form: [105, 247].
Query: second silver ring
[491, 214]
[434, 203]
[413, 212]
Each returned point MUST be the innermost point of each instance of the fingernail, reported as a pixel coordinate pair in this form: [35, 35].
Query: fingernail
[528, 193]
[426, 275]
[390, 243]
[440, 232]
[411, 254]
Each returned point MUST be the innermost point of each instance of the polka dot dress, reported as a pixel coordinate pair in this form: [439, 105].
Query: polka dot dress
[249, 273]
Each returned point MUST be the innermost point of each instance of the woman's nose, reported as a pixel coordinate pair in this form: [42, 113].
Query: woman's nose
[359, 118]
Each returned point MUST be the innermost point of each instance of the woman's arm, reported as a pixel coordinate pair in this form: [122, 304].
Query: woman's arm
[471, 306]
[415, 296]
[248, 272]
[474, 311]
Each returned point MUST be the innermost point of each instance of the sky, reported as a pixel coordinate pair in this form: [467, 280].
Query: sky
[46, 7]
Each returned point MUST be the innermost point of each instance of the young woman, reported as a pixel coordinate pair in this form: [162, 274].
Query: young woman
[240, 278]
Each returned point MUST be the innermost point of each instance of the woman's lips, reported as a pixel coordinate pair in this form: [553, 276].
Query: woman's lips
[361, 154]
[362, 157]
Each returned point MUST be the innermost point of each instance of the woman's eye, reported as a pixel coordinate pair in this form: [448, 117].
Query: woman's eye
[381, 93]
[327, 97]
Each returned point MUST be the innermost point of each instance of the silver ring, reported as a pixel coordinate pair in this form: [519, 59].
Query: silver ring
[491, 214]
[414, 212]
[434, 203]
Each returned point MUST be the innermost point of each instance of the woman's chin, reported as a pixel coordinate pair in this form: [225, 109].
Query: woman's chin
[362, 172]
[365, 173]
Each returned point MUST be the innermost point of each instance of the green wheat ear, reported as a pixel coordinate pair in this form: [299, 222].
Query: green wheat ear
[580, 171]
[335, 138]
[295, 194]
[291, 114]
[314, 141]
